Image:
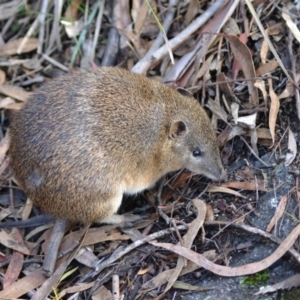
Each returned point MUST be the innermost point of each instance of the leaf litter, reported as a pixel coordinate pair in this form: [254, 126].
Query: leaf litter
[233, 68]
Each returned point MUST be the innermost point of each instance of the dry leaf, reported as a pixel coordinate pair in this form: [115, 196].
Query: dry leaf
[9, 103]
[14, 92]
[16, 263]
[247, 121]
[102, 293]
[243, 55]
[12, 48]
[217, 109]
[292, 26]
[2, 77]
[189, 287]
[24, 285]
[278, 214]
[267, 67]
[260, 84]
[144, 271]
[210, 216]
[9, 242]
[235, 111]
[274, 108]
[221, 189]
[75, 289]
[264, 48]
[251, 185]
[292, 149]
[289, 90]
[86, 257]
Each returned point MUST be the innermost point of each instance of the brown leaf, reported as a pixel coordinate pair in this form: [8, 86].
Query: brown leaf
[251, 185]
[243, 55]
[9, 103]
[86, 257]
[14, 92]
[102, 293]
[221, 189]
[19, 46]
[267, 67]
[274, 108]
[2, 76]
[278, 214]
[24, 285]
[16, 263]
[292, 149]
[9, 242]
[217, 109]
[75, 289]
[210, 216]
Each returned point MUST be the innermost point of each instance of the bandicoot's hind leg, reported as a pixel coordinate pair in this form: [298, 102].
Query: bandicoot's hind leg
[126, 220]
[108, 212]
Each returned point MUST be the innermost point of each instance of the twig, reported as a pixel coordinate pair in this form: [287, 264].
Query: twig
[97, 29]
[55, 63]
[159, 202]
[84, 32]
[144, 64]
[57, 234]
[162, 33]
[116, 287]
[294, 71]
[42, 17]
[29, 33]
[55, 36]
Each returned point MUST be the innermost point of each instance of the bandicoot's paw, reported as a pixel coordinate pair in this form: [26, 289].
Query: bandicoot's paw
[130, 219]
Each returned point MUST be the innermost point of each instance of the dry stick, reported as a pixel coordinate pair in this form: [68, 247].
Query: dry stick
[144, 64]
[166, 26]
[275, 148]
[97, 29]
[42, 17]
[159, 201]
[55, 63]
[112, 46]
[84, 32]
[294, 72]
[55, 36]
[116, 287]
[29, 33]
[57, 234]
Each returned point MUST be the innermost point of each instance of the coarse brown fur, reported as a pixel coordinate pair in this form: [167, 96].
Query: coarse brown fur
[87, 138]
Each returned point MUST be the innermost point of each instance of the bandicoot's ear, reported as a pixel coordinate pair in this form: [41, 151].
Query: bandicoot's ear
[178, 130]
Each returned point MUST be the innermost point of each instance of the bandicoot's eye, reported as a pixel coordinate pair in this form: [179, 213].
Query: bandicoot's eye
[197, 153]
